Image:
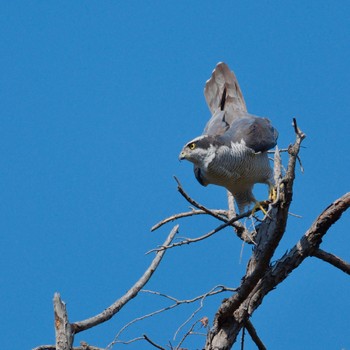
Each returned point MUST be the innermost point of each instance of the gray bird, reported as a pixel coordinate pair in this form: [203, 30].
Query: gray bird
[232, 151]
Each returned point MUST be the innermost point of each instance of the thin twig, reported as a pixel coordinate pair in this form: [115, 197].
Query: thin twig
[116, 340]
[126, 342]
[197, 239]
[281, 150]
[196, 311]
[242, 338]
[186, 335]
[186, 214]
[300, 164]
[202, 207]
[221, 215]
[297, 130]
[196, 204]
[295, 215]
[153, 343]
[242, 232]
[254, 335]
[216, 290]
[199, 333]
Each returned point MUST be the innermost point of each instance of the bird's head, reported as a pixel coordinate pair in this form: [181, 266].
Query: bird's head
[200, 151]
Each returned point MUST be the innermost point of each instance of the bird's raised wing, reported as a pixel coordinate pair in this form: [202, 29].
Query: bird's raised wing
[230, 121]
[224, 98]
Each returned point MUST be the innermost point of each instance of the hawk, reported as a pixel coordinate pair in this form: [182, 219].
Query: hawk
[232, 151]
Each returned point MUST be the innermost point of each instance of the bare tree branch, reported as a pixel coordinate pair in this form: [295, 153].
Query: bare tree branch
[332, 259]
[133, 291]
[215, 290]
[254, 335]
[241, 231]
[231, 206]
[242, 338]
[186, 335]
[186, 214]
[196, 204]
[63, 329]
[228, 217]
[203, 297]
[153, 343]
[311, 240]
[197, 239]
[239, 228]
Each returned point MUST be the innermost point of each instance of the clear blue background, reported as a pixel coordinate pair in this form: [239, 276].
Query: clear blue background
[97, 100]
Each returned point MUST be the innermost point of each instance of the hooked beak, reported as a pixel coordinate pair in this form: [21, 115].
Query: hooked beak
[182, 155]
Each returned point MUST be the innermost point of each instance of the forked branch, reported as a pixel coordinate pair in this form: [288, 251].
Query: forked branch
[175, 303]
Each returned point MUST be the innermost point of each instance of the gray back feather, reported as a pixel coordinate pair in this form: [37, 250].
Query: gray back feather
[257, 133]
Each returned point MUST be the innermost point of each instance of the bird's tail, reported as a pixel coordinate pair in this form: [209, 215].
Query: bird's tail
[222, 90]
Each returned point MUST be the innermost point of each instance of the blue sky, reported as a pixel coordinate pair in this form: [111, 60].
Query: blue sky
[97, 100]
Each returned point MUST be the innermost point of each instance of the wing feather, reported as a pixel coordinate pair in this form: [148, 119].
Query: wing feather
[257, 133]
[224, 98]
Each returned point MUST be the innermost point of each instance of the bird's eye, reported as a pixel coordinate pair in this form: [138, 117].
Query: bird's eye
[192, 146]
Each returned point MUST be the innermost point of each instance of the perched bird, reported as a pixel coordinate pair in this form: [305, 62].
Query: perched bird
[232, 151]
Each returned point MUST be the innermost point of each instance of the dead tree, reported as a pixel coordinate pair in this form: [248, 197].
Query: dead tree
[261, 275]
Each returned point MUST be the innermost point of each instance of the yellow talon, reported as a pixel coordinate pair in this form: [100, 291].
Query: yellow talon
[259, 206]
[272, 194]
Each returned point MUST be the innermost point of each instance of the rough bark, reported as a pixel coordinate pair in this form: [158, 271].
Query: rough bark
[63, 329]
